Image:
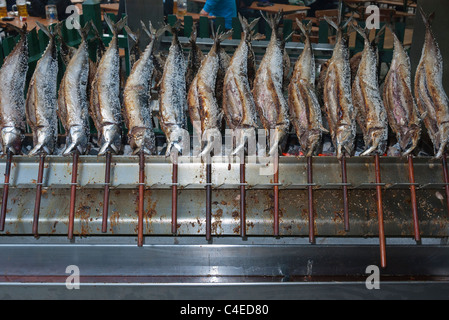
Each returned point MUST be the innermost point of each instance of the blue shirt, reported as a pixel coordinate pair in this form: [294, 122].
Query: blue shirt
[222, 8]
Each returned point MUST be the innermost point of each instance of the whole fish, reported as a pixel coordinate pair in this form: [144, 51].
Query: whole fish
[238, 102]
[105, 103]
[42, 99]
[12, 98]
[271, 104]
[305, 110]
[367, 98]
[204, 109]
[432, 101]
[337, 99]
[194, 58]
[138, 116]
[73, 106]
[399, 102]
[173, 96]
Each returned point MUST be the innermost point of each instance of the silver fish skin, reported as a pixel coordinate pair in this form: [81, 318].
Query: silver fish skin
[202, 101]
[73, 105]
[173, 96]
[139, 120]
[238, 102]
[337, 99]
[105, 101]
[12, 97]
[432, 101]
[305, 110]
[269, 99]
[399, 101]
[367, 98]
[42, 99]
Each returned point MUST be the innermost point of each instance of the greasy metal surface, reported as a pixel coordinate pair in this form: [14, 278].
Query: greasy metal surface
[293, 209]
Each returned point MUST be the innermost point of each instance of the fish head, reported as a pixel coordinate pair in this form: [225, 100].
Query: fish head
[178, 140]
[345, 141]
[410, 142]
[378, 142]
[46, 141]
[12, 140]
[111, 139]
[77, 140]
[142, 139]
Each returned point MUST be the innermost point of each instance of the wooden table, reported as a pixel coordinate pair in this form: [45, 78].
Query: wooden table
[31, 22]
[276, 7]
[195, 16]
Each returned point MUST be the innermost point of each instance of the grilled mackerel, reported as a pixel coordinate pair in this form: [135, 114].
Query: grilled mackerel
[238, 102]
[430, 96]
[194, 59]
[366, 96]
[137, 97]
[73, 107]
[12, 100]
[399, 102]
[42, 99]
[305, 111]
[105, 106]
[268, 94]
[205, 111]
[172, 95]
[337, 99]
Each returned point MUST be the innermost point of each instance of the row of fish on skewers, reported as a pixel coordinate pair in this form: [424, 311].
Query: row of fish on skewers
[216, 86]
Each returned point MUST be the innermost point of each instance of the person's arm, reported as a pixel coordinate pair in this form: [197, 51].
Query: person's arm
[208, 6]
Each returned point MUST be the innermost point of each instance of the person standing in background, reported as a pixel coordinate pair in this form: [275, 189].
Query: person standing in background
[221, 8]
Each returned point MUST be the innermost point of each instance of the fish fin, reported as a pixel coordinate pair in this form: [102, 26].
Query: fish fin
[379, 34]
[84, 31]
[302, 27]
[22, 31]
[135, 36]
[362, 32]
[46, 30]
[174, 28]
[427, 18]
[115, 27]
[331, 23]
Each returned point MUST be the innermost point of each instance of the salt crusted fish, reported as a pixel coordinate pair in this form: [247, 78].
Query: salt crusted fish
[138, 116]
[238, 102]
[305, 111]
[12, 98]
[337, 99]
[173, 96]
[73, 107]
[105, 101]
[432, 101]
[42, 99]
[269, 99]
[399, 102]
[205, 111]
[194, 58]
[367, 99]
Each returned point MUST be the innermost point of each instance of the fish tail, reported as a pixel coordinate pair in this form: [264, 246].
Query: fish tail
[45, 29]
[84, 31]
[116, 27]
[427, 18]
[135, 36]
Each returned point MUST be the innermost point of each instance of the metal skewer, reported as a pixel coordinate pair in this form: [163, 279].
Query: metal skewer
[73, 193]
[242, 197]
[310, 194]
[446, 178]
[276, 195]
[5, 189]
[37, 204]
[141, 196]
[344, 180]
[107, 181]
[174, 194]
[208, 199]
[380, 213]
[411, 174]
